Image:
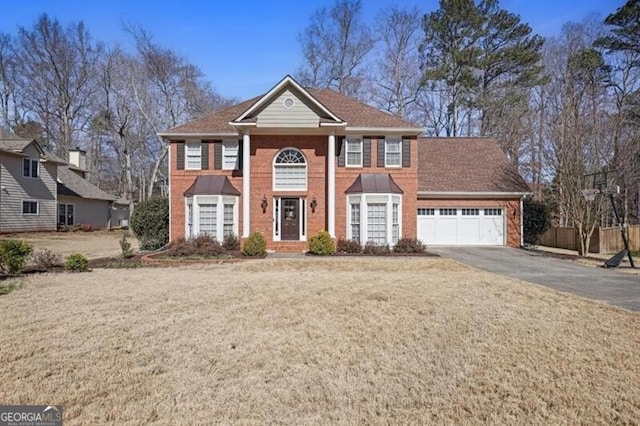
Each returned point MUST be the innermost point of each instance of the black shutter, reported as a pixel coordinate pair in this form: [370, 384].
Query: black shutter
[406, 152]
[217, 155]
[380, 152]
[366, 152]
[240, 161]
[204, 156]
[180, 156]
[340, 149]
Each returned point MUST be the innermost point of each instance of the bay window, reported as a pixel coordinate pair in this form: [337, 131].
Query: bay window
[375, 218]
[213, 215]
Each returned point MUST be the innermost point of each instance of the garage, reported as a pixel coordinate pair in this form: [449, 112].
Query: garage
[461, 226]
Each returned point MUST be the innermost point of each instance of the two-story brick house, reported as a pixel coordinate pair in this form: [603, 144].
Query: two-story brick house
[296, 161]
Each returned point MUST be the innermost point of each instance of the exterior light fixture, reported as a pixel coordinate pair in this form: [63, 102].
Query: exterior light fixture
[314, 204]
[264, 203]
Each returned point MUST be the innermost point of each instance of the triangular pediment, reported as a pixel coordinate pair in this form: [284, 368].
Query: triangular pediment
[287, 104]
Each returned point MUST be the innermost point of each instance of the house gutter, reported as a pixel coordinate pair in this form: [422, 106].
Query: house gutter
[471, 195]
[170, 135]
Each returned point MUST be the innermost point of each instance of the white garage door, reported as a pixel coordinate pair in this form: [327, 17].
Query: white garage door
[461, 226]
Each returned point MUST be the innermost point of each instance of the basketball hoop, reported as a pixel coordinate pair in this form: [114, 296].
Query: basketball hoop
[590, 194]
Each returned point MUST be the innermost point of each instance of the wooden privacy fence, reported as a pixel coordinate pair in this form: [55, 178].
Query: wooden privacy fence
[603, 240]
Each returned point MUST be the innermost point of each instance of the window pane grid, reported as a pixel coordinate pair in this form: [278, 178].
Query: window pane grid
[448, 212]
[377, 223]
[227, 226]
[355, 222]
[426, 212]
[470, 212]
[395, 224]
[230, 155]
[194, 151]
[208, 219]
[290, 177]
[353, 152]
[393, 152]
[493, 212]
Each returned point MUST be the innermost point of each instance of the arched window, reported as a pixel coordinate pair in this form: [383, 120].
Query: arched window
[290, 171]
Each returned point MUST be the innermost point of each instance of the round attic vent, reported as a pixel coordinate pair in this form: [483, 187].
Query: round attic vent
[288, 103]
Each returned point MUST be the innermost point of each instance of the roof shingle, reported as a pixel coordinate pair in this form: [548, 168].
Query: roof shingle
[355, 113]
[465, 165]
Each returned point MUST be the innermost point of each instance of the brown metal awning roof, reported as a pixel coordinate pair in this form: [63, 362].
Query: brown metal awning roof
[374, 183]
[211, 185]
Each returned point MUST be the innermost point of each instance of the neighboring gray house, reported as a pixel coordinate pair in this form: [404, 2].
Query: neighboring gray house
[40, 192]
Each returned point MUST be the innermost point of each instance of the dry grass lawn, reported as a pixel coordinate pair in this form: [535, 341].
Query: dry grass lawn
[91, 244]
[340, 341]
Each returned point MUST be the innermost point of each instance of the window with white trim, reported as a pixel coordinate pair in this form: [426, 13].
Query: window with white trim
[228, 222]
[377, 223]
[355, 221]
[290, 171]
[207, 214]
[395, 223]
[426, 212]
[30, 207]
[30, 167]
[375, 218]
[193, 155]
[448, 212]
[213, 215]
[66, 214]
[393, 152]
[353, 152]
[493, 212]
[230, 155]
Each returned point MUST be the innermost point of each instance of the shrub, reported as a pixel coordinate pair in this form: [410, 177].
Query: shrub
[231, 242]
[150, 223]
[207, 246]
[409, 245]
[46, 259]
[13, 255]
[125, 248]
[321, 244]
[373, 249]
[83, 227]
[536, 220]
[76, 262]
[349, 246]
[255, 245]
[202, 245]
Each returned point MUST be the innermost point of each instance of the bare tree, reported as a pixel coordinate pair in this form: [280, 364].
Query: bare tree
[7, 82]
[57, 68]
[396, 76]
[335, 45]
[167, 91]
[578, 123]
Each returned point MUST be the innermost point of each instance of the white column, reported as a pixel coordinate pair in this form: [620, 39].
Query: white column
[246, 184]
[331, 185]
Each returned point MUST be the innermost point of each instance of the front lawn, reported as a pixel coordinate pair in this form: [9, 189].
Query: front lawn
[315, 340]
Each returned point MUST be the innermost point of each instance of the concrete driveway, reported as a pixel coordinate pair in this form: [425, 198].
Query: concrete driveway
[606, 285]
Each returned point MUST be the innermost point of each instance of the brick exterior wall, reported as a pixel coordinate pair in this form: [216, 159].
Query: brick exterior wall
[263, 151]
[406, 178]
[511, 206]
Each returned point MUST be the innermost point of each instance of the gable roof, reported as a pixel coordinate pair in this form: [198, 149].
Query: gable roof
[335, 108]
[12, 143]
[466, 165]
[70, 183]
[287, 81]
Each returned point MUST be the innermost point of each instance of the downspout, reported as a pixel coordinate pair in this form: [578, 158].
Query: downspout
[521, 222]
